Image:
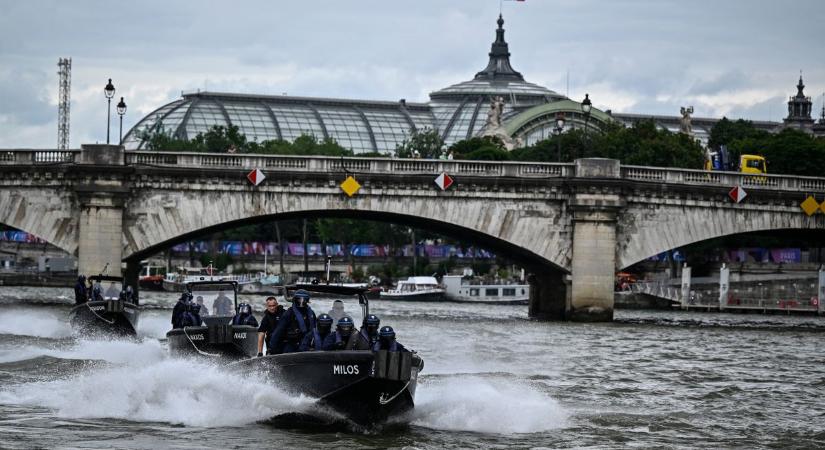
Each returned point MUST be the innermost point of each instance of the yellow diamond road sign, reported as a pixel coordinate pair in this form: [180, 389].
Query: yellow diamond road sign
[810, 205]
[350, 186]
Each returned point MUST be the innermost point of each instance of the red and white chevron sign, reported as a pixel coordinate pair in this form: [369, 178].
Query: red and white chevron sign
[256, 177]
[443, 181]
[737, 194]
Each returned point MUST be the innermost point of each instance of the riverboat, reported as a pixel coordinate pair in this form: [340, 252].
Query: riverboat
[461, 289]
[367, 387]
[176, 282]
[422, 289]
[216, 337]
[106, 311]
[151, 278]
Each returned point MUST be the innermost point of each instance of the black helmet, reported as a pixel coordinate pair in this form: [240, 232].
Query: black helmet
[371, 323]
[325, 320]
[244, 308]
[300, 298]
[387, 333]
[345, 325]
[372, 319]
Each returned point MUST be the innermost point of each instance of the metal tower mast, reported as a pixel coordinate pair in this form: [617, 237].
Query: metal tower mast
[64, 102]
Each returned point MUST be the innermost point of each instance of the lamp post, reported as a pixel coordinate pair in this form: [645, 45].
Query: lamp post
[586, 106]
[557, 131]
[109, 92]
[121, 110]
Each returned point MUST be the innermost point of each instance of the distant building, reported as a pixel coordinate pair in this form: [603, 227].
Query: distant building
[496, 101]
[799, 110]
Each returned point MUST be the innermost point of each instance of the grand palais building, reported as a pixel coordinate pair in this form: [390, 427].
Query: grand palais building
[527, 113]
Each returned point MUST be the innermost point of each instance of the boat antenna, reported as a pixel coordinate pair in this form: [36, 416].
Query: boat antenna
[105, 269]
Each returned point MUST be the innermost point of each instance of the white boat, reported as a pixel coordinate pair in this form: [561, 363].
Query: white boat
[424, 289]
[176, 282]
[459, 289]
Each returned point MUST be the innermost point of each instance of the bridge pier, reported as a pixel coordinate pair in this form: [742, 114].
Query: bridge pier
[594, 244]
[548, 295]
[100, 228]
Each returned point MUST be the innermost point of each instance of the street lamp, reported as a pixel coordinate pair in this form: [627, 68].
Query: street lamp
[557, 131]
[109, 92]
[121, 110]
[586, 106]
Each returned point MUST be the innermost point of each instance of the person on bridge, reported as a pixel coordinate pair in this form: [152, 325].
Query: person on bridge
[366, 338]
[81, 294]
[222, 306]
[342, 335]
[269, 322]
[245, 316]
[386, 341]
[324, 330]
[296, 329]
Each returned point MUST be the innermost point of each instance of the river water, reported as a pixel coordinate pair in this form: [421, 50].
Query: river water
[492, 378]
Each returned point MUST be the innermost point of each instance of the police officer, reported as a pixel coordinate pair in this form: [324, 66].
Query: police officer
[324, 330]
[341, 337]
[81, 294]
[296, 329]
[244, 316]
[269, 322]
[222, 306]
[386, 341]
[185, 313]
[368, 335]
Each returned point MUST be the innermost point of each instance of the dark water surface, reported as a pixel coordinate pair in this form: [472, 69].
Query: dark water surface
[492, 379]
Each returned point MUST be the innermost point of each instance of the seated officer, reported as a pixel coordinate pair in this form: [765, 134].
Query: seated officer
[324, 324]
[386, 341]
[339, 339]
[244, 316]
[368, 336]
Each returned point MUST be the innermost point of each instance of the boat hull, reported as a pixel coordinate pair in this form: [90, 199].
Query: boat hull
[151, 283]
[414, 297]
[108, 316]
[217, 341]
[366, 387]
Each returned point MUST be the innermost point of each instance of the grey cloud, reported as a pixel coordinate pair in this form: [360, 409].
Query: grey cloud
[24, 96]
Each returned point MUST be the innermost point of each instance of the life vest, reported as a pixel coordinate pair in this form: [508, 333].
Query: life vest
[187, 319]
[392, 348]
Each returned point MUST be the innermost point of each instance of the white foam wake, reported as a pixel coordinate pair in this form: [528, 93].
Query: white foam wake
[38, 322]
[173, 391]
[499, 406]
[114, 351]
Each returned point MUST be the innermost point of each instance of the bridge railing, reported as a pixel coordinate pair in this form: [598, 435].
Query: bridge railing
[688, 176]
[32, 156]
[333, 164]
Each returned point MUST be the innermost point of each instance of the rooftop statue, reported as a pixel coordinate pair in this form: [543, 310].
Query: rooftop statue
[685, 126]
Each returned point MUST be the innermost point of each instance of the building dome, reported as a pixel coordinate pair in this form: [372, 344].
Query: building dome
[458, 108]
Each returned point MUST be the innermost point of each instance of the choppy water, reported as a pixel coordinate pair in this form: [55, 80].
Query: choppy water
[492, 379]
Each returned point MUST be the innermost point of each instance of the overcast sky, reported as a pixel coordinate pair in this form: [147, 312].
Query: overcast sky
[739, 58]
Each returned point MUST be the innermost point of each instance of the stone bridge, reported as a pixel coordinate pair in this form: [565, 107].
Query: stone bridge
[571, 225]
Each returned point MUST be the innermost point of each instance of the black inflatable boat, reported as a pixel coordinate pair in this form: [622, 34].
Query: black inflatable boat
[107, 311]
[216, 337]
[365, 386]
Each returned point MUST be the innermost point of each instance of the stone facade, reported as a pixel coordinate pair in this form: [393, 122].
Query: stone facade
[572, 226]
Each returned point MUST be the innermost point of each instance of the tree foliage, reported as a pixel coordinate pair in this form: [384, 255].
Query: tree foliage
[425, 143]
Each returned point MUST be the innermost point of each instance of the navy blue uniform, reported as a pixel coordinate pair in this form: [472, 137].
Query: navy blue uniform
[393, 347]
[336, 341]
[81, 295]
[295, 331]
[245, 319]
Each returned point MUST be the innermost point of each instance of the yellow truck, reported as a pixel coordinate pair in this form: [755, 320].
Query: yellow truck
[719, 161]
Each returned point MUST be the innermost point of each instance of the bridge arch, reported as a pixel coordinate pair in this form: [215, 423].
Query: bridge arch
[149, 229]
[48, 214]
[646, 230]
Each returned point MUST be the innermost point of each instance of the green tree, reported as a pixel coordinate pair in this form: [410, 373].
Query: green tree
[426, 142]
